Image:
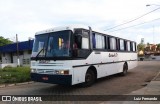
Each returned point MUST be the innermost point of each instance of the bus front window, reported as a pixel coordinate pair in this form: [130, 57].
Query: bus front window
[39, 46]
[55, 44]
[59, 44]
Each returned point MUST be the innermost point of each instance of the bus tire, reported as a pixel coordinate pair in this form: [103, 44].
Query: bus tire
[125, 69]
[89, 78]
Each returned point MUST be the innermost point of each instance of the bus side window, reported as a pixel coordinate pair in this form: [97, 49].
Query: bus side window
[85, 43]
[82, 42]
[133, 45]
[128, 46]
[99, 41]
[113, 45]
[122, 45]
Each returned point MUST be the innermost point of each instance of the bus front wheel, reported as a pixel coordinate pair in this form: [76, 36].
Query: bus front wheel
[89, 78]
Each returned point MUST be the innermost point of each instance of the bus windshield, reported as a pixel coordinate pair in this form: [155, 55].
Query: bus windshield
[55, 44]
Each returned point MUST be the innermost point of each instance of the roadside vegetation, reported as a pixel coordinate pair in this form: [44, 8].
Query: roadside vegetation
[14, 75]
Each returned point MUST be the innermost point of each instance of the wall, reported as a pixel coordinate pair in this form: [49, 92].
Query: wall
[9, 64]
[6, 59]
[24, 58]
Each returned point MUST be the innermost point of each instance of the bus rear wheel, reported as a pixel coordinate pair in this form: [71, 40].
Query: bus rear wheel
[89, 78]
[125, 69]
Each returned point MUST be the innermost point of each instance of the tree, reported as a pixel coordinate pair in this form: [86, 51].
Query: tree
[140, 47]
[4, 41]
[158, 46]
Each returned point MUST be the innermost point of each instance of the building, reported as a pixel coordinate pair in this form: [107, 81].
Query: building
[151, 49]
[8, 54]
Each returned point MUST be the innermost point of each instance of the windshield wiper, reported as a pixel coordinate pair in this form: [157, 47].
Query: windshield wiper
[39, 53]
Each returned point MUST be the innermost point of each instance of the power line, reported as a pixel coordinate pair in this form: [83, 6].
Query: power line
[132, 20]
[135, 25]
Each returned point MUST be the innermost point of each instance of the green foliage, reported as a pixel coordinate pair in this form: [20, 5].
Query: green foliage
[158, 46]
[140, 47]
[14, 75]
[8, 66]
[4, 41]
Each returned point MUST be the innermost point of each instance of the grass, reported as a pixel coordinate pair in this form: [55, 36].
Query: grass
[14, 75]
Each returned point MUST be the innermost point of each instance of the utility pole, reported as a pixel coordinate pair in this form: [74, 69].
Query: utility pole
[18, 63]
[153, 25]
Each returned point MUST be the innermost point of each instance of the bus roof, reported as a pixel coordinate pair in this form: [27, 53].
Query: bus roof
[72, 27]
[61, 28]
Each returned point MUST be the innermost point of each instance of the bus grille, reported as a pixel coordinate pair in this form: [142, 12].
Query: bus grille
[51, 64]
[45, 71]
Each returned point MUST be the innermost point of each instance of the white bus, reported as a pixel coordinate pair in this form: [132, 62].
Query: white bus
[77, 54]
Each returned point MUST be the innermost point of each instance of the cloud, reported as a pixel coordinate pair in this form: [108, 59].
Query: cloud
[29, 16]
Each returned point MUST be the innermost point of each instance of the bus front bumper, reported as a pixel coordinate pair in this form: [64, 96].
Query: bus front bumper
[54, 79]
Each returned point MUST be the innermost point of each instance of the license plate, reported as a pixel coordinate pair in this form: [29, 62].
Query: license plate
[45, 78]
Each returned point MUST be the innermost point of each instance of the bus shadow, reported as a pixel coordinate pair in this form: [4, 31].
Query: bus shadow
[55, 89]
[111, 78]
[77, 89]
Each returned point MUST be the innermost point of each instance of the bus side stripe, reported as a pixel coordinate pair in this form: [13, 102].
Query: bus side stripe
[102, 63]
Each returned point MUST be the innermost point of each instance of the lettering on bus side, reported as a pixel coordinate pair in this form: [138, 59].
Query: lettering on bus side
[113, 55]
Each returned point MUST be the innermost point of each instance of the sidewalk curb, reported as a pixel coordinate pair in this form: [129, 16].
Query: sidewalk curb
[3, 85]
[15, 84]
[154, 79]
[144, 88]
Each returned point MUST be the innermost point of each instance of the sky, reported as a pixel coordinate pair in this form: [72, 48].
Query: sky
[26, 17]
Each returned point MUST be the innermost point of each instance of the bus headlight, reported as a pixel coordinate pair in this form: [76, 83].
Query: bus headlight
[62, 72]
[33, 70]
